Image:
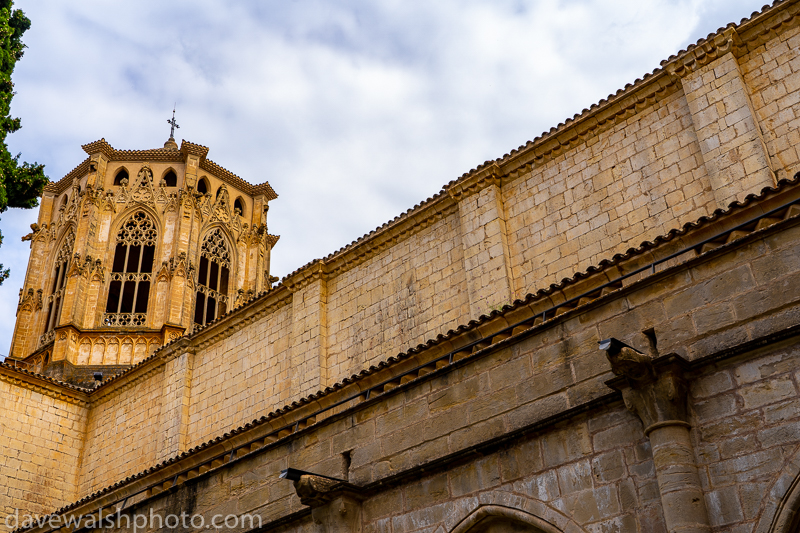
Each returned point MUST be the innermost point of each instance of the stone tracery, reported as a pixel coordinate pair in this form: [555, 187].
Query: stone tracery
[131, 273]
[211, 300]
[56, 298]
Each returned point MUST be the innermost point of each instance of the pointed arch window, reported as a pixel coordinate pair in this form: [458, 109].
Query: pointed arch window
[131, 272]
[171, 179]
[56, 298]
[212, 279]
[238, 205]
[121, 175]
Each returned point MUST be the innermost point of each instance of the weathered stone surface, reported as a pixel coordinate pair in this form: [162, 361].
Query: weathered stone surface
[527, 425]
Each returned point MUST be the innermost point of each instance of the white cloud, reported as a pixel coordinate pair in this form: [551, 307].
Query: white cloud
[354, 111]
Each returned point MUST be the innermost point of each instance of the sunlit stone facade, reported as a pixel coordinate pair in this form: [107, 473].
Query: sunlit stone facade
[123, 254]
[598, 332]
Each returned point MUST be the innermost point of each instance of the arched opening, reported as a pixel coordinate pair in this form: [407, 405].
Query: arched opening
[786, 502]
[202, 186]
[171, 179]
[219, 191]
[131, 272]
[238, 207]
[495, 524]
[213, 275]
[59, 281]
[501, 519]
[121, 175]
[64, 200]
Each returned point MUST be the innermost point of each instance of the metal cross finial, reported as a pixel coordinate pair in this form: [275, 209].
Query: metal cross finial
[173, 124]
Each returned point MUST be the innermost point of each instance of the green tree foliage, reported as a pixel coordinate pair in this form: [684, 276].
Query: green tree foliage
[21, 184]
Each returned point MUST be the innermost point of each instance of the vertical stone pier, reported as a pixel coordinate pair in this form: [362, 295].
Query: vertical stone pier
[654, 389]
[728, 129]
[487, 263]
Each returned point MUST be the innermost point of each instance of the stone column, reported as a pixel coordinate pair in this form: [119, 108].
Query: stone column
[485, 242]
[728, 130]
[654, 389]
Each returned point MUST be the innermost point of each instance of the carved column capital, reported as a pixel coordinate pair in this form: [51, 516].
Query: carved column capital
[336, 504]
[653, 388]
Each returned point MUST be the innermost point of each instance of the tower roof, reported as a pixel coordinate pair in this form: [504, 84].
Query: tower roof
[166, 154]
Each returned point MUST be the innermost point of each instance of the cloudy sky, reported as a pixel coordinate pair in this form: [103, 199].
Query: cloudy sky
[353, 111]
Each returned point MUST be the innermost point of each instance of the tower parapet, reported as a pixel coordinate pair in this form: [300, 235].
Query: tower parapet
[132, 249]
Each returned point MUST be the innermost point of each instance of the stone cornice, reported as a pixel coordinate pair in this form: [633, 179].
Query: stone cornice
[119, 384]
[234, 180]
[44, 386]
[768, 24]
[300, 279]
[399, 229]
[190, 148]
[490, 175]
[155, 154]
[702, 54]
[57, 187]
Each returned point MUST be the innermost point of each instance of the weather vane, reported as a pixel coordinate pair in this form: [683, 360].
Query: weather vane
[173, 124]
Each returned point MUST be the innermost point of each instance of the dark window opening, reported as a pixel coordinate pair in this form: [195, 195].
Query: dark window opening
[171, 179]
[238, 204]
[199, 308]
[122, 174]
[202, 186]
[212, 279]
[55, 299]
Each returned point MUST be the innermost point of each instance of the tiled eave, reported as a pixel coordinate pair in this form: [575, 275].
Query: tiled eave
[43, 384]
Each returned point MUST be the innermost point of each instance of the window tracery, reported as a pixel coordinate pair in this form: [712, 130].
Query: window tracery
[131, 272]
[212, 279]
[56, 297]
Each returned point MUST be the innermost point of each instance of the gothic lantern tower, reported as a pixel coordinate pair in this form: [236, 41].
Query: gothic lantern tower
[134, 248]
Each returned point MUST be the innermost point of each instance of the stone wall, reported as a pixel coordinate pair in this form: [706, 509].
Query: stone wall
[530, 424]
[401, 297]
[674, 147]
[41, 435]
[240, 378]
[704, 131]
[124, 432]
[630, 183]
[492, 238]
[772, 73]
